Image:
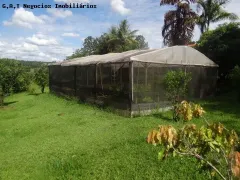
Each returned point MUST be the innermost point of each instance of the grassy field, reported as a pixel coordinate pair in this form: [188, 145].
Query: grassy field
[47, 137]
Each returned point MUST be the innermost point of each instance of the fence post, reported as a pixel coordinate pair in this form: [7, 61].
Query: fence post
[130, 86]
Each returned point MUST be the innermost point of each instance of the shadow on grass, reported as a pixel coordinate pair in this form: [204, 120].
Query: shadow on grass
[161, 116]
[232, 125]
[226, 107]
[8, 103]
[34, 94]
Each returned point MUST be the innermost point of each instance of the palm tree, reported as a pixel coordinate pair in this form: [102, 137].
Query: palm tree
[122, 37]
[212, 11]
[178, 24]
[173, 2]
[113, 40]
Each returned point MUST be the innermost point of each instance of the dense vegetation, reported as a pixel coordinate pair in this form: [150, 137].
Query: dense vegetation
[17, 76]
[221, 46]
[179, 24]
[14, 77]
[117, 39]
[212, 11]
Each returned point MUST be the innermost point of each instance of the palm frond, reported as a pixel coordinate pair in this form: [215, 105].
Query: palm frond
[179, 25]
[174, 2]
[212, 11]
[133, 32]
[223, 15]
[222, 2]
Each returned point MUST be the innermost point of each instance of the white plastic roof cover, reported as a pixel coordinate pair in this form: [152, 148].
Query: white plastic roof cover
[106, 58]
[176, 55]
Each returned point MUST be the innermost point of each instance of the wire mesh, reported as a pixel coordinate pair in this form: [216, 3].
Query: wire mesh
[132, 87]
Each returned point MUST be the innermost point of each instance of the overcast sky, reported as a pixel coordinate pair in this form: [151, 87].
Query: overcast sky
[52, 34]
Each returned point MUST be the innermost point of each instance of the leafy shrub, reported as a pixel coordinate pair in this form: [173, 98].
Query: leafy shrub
[188, 110]
[212, 145]
[176, 85]
[32, 89]
[176, 88]
[14, 77]
[22, 82]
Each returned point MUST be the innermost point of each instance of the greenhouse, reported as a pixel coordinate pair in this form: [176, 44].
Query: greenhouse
[132, 82]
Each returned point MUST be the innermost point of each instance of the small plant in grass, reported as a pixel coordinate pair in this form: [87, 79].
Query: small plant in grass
[32, 89]
[215, 147]
[176, 87]
[187, 110]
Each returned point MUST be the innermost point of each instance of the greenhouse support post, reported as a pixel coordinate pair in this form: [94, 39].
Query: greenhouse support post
[130, 85]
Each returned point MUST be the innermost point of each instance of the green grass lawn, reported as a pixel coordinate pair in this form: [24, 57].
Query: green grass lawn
[47, 137]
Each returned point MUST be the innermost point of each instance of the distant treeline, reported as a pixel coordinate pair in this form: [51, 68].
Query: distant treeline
[32, 64]
[17, 75]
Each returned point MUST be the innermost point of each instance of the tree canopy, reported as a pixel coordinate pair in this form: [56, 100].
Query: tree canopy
[211, 12]
[118, 39]
[14, 77]
[179, 24]
[222, 46]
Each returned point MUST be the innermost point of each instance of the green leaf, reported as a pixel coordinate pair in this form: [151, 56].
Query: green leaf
[174, 153]
[161, 154]
[217, 149]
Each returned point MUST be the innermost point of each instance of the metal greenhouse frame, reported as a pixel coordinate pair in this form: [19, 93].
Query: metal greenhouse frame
[131, 82]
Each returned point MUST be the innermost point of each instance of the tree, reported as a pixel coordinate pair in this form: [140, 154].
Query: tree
[14, 77]
[114, 43]
[178, 24]
[77, 53]
[212, 11]
[173, 2]
[221, 46]
[118, 39]
[121, 38]
[103, 44]
[141, 43]
[41, 77]
[89, 46]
